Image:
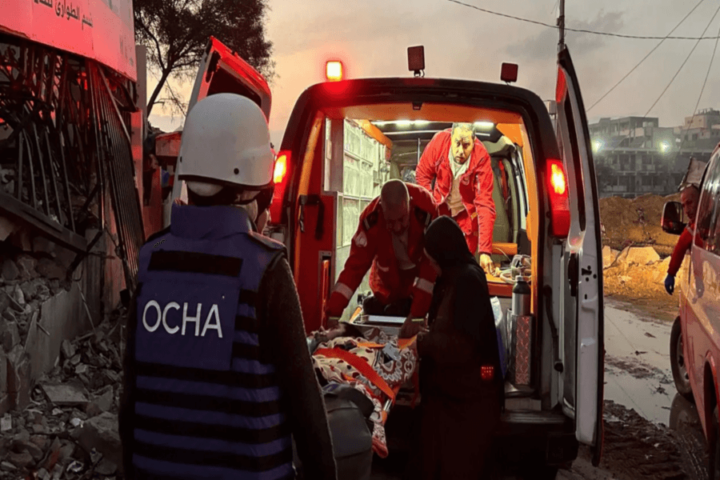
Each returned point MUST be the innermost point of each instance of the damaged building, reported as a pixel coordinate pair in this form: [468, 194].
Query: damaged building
[71, 226]
[635, 156]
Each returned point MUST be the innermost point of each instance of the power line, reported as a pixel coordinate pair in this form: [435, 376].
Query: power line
[702, 90]
[579, 30]
[683, 64]
[646, 57]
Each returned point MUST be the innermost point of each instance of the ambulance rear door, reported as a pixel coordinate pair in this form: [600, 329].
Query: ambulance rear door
[222, 71]
[581, 292]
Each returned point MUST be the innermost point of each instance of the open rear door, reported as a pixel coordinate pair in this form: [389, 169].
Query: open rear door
[223, 71]
[582, 291]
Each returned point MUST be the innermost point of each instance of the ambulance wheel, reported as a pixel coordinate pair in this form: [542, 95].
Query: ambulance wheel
[677, 362]
[714, 446]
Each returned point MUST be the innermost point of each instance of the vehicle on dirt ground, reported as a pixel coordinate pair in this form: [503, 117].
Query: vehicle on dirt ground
[345, 138]
[695, 337]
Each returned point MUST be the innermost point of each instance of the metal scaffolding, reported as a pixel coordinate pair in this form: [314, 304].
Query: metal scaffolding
[65, 145]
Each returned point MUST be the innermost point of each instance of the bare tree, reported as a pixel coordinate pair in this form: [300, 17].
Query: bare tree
[177, 31]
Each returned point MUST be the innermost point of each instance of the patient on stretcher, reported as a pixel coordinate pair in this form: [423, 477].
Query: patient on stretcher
[369, 360]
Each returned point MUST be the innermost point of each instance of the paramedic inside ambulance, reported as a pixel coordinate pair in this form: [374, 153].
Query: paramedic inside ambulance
[390, 239]
[460, 166]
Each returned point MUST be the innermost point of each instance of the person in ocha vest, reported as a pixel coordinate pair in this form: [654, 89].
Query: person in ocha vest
[218, 378]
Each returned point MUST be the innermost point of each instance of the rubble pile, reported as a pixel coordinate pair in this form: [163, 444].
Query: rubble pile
[70, 429]
[25, 283]
[636, 222]
[638, 273]
[7, 181]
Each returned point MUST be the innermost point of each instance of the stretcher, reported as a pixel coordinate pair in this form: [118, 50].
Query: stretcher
[379, 366]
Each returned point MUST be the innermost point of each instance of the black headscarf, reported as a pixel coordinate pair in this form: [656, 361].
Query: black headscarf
[446, 244]
[473, 314]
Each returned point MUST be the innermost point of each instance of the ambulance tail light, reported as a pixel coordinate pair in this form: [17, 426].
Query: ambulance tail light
[280, 169]
[559, 200]
[280, 178]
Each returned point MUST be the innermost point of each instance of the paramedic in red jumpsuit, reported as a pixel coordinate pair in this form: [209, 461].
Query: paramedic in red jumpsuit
[460, 166]
[689, 198]
[390, 239]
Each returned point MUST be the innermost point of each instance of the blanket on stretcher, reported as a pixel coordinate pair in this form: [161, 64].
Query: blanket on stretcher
[375, 364]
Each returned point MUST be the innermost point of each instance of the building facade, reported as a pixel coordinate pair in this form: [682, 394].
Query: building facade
[635, 156]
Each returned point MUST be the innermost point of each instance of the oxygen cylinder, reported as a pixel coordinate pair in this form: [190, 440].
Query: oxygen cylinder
[521, 297]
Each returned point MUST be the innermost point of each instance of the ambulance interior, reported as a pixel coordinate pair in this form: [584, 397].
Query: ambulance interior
[383, 142]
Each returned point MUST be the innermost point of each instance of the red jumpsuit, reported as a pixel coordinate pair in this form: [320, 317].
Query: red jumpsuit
[372, 246]
[681, 248]
[476, 189]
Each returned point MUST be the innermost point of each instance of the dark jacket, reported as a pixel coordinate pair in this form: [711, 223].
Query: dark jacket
[462, 336]
[281, 339]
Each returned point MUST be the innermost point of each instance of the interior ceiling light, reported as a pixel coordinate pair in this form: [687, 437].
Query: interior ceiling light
[484, 125]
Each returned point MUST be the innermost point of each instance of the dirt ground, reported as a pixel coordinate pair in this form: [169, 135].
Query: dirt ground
[636, 222]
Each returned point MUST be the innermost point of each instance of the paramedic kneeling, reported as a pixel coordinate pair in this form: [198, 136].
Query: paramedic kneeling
[390, 239]
[218, 378]
[689, 198]
[460, 379]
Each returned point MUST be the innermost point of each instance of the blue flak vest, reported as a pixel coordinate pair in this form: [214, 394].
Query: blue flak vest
[205, 404]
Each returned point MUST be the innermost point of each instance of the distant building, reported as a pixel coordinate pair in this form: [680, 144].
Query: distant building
[701, 129]
[635, 156]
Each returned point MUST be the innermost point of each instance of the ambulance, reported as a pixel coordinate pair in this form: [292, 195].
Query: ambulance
[348, 136]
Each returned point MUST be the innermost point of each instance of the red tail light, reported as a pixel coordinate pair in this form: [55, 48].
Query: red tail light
[280, 169]
[487, 372]
[559, 202]
[280, 178]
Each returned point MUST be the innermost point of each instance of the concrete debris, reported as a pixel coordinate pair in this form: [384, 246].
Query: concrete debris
[76, 467]
[64, 395]
[27, 265]
[637, 256]
[10, 270]
[68, 349]
[101, 432]
[6, 423]
[106, 467]
[20, 460]
[50, 269]
[70, 430]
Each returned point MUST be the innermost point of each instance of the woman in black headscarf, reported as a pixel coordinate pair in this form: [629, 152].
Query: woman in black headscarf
[460, 377]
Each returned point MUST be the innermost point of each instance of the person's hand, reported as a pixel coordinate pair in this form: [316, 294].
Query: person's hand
[178, 201]
[670, 284]
[487, 264]
[409, 328]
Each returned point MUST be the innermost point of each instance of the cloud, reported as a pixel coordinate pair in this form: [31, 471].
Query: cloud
[544, 45]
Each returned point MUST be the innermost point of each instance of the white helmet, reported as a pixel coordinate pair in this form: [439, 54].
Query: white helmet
[226, 141]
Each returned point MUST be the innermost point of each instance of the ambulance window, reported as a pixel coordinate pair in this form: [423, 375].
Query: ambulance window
[708, 209]
[712, 234]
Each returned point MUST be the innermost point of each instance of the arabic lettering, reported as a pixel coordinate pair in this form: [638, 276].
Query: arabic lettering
[73, 13]
[60, 9]
[87, 21]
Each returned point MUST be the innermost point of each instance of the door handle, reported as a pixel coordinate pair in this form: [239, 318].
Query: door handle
[312, 200]
[574, 274]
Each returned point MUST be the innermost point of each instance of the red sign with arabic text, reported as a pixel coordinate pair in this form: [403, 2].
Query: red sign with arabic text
[98, 29]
